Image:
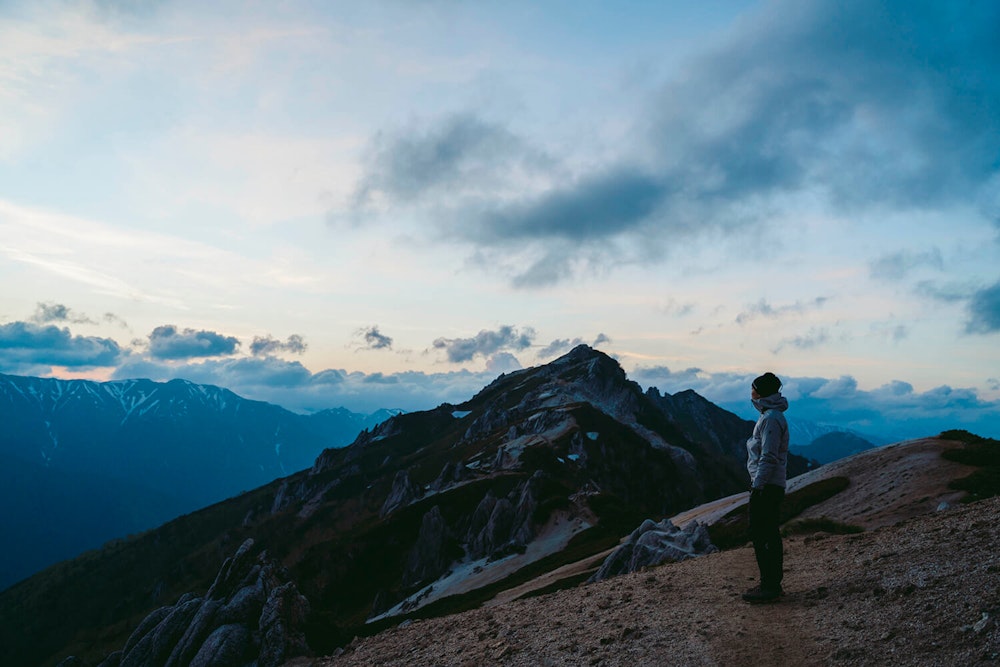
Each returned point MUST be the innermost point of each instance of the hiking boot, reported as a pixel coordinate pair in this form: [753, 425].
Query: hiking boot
[759, 594]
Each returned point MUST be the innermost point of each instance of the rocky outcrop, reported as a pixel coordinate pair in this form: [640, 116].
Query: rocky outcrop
[500, 524]
[252, 615]
[453, 473]
[403, 492]
[429, 557]
[654, 544]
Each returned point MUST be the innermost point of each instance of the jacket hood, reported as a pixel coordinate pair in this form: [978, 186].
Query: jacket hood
[772, 402]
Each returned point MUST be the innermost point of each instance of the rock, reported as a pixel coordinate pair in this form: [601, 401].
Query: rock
[72, 661]
[429, 557]
[403, 492]
[199, 628]
[453, 473]
[982, 624]
[113, 660]
[227, 646]
[252, 614]
[281, 626]
[653, 544]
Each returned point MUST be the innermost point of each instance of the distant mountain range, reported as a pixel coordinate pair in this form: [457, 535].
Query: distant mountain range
[427, 513]
[83, 462]
[832, 446]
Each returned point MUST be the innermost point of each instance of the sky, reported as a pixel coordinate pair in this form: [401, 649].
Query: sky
[388, 203]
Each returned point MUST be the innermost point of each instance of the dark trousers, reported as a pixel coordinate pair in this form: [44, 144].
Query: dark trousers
[764, 519]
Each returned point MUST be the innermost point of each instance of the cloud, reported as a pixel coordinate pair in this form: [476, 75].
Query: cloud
[561, 345]
[890, 331]
[374, 339]
[57, 312]
[595, 207]
[503, 362]
[292, 386]
[860, 107]
[896, 266]
[893, 411]
[984, 311]
[813, 338]
[24, 346]
[268, 345]
[764, 309]
[865, 101]
[111, 318]
[459, 153]
[486, 343]
[166, 342]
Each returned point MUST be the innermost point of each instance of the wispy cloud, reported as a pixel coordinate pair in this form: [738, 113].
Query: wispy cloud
[896, 266]
[764, 309]
[815, 337]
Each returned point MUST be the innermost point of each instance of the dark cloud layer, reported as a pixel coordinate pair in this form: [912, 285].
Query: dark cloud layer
[167, 342]
[861, 105]
[486, 343]
[266, 345]
[25, 346]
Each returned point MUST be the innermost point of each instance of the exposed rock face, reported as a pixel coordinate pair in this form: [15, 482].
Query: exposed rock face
[404, 491]
[503, 523]
[429, 557]
[452, 474]
[250, 616]
[654, 544]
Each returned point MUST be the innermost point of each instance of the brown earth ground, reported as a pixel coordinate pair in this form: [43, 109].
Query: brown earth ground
[919, 587]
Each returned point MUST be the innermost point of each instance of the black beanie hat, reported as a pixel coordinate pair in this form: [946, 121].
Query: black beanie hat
[767, 384]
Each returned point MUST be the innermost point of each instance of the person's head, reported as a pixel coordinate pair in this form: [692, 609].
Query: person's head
[765, 385]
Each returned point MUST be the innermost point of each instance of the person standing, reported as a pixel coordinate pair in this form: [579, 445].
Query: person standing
[767, 456]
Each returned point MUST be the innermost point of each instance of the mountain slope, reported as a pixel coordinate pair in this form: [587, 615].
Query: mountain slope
[925, 591]
[920, 585]
[92, 461]
[542, 467]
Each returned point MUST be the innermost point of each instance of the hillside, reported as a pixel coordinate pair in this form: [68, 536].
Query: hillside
[920, 586]
[925, 591]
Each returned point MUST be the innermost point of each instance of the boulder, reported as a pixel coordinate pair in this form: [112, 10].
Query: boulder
[654, 544]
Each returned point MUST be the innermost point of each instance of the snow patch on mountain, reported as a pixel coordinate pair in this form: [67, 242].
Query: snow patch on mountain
[468, 575]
